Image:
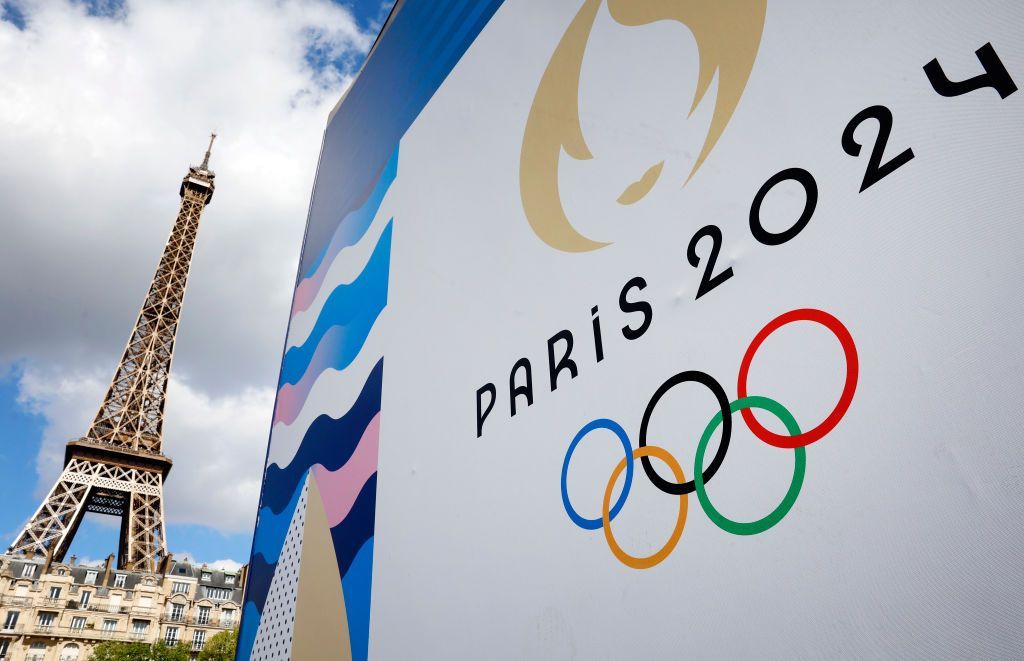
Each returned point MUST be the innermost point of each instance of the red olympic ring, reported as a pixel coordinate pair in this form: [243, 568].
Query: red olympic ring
[852, 370]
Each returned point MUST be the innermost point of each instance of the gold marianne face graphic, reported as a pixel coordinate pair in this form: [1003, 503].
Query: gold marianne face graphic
[728, 33]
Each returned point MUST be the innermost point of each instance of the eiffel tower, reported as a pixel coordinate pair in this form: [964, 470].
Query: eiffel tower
[119, 468]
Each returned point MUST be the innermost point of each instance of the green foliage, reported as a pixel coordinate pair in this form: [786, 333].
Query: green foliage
[221, 647]
[113, 651]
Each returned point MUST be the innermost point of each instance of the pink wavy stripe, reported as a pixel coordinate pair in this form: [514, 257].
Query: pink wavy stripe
[307, 290]
[292, 396]
[340, 489]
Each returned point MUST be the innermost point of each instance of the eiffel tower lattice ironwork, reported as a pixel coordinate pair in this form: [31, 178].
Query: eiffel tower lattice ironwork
[119, 468]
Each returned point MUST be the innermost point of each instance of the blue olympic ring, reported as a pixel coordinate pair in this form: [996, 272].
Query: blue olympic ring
[616, 428]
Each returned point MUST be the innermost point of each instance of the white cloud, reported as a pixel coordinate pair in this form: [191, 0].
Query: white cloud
[223, 565]
[101, 115]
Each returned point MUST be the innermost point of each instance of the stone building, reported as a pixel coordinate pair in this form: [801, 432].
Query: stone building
[60, 611]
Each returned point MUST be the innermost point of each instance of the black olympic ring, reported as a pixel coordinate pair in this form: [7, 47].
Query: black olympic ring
[675, 488]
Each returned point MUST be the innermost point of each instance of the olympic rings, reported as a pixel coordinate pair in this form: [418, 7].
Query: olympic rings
[611, 425]
[796, 441]
[675, 488]
[776, 515]
[852, 370]
[649, 561]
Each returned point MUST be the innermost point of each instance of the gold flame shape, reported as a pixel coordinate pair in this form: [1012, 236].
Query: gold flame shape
[728, 33]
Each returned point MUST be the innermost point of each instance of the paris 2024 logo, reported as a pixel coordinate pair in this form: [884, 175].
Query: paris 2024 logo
[728, 33]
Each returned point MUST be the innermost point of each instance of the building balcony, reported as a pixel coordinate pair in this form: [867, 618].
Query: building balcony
[195, 621]
[72, 632]
[15, 601]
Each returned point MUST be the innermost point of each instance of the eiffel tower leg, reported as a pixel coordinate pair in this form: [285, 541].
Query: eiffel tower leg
[55, 522]
[146, 545]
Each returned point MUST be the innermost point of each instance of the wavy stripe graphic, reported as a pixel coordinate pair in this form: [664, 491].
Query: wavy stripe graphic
[346, 267]
[350, 535]
[349, 231]
[261, 573]
[356, 584]
[273, 527]
[247, 632]
[340, 488]
[332, 394]
[328, 441]
[350, 312]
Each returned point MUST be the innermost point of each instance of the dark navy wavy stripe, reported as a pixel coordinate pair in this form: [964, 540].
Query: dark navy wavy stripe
[354, 306]
[328, 442]
[257, 584]
[273, 527]
[350, 535]
[408, 64]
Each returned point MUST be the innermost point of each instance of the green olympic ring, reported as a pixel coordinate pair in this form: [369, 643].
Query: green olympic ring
[800, 454]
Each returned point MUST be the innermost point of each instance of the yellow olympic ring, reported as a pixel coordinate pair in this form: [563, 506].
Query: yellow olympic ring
[634, 561]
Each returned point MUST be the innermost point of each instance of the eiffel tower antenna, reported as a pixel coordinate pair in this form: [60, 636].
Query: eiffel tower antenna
[206, 159]
[118, 467]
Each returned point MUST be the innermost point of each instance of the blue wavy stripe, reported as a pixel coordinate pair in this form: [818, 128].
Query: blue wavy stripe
[354, 225]
[329, 442]
[350, 535]
[356, 586]
[247, 633]
[409, 63]
[355, 306]
[272, 528]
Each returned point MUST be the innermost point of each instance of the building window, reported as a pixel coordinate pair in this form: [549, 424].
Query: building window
[218, 594]
[28, 571]
[205, 576]
[4, 646]
[83, 599]
[78, 623]
[198, 639]
[229, 579]
[227, 618]
[179, 588]
[171, 637]
[90, 578]
[46, 619]
[204, 615]
[177, 612]
[54, 593]
[110, 625]
[11, 621]
[119, 580]
[140, 626]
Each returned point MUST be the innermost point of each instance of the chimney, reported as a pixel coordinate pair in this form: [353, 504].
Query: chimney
[240, 581]
[165, 564]
[48, 561]
[106, 570]
[74, 559]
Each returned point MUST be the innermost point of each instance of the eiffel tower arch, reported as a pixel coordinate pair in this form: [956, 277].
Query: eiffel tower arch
[118, 468]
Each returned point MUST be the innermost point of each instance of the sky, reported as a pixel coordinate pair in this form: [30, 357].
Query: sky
[103, 106]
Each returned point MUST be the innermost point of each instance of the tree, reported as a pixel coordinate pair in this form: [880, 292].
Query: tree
[114, 651]
[221, 647]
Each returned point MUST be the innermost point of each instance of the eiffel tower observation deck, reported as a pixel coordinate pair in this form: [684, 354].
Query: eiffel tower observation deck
[118, 468]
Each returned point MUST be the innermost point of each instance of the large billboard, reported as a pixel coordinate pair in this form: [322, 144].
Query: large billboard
[651, 328]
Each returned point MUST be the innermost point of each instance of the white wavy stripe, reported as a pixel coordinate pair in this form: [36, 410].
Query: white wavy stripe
[345, 268]
[334, 392]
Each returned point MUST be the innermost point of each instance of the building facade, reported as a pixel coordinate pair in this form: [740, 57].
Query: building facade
[62, 611]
